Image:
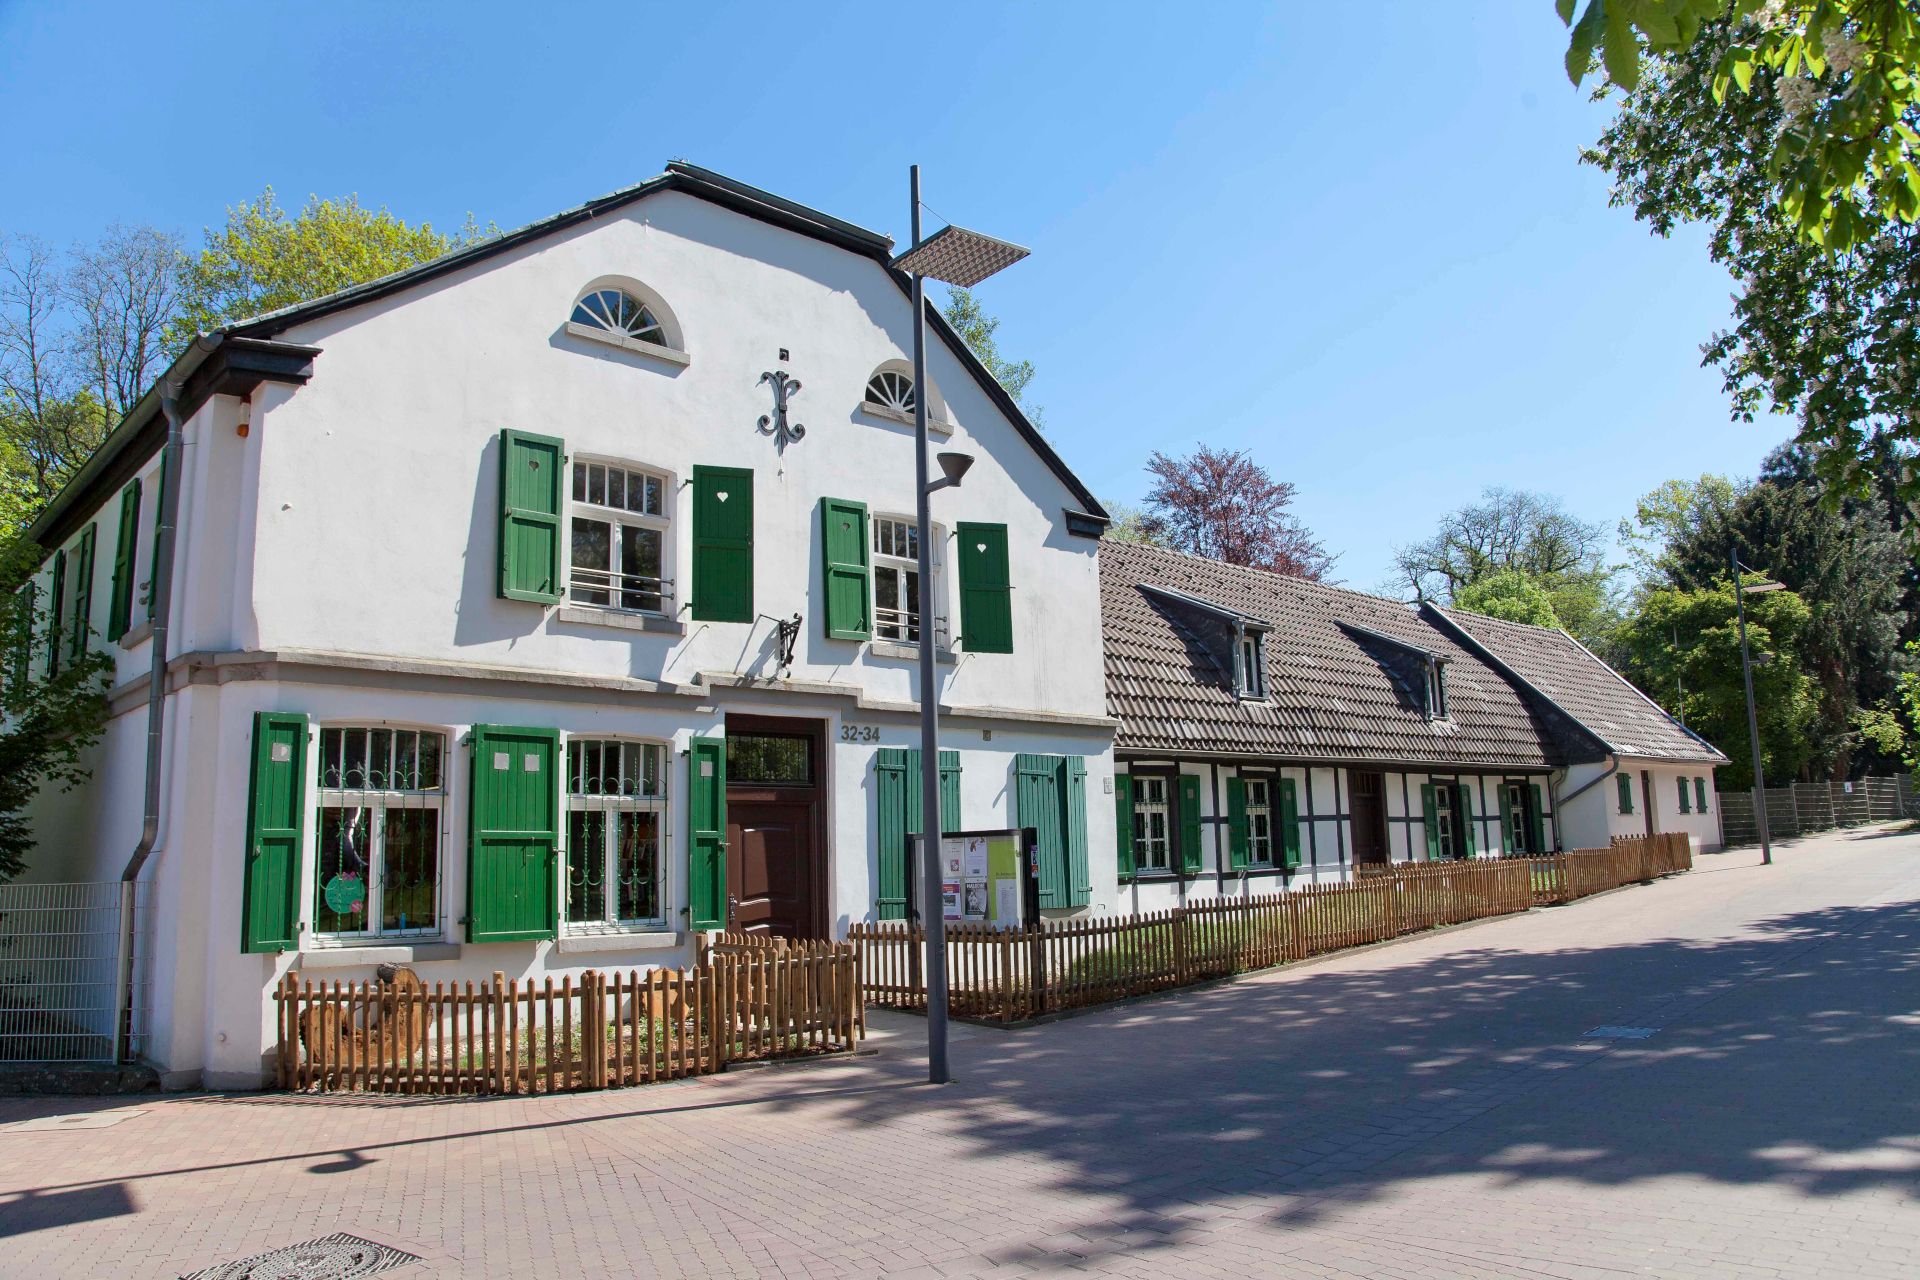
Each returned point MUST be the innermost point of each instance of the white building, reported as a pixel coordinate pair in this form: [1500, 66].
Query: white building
[507, 631]
[1277, 732]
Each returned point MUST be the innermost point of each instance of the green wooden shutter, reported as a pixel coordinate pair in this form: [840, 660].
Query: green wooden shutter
[1624, 786]
[1237, 824]
[1683, 795]
[722, 544]
[126, 538]
[1289, 824]
[986, 589]
[1431, 809]
[532, 470]
[1699, 794]
[847, 581]
[80, 625]
[1507, 832]
[1537, 820]
[1189, 824]
[1037, 805]
[513, 859]
[276, 811]
[1073, 778]
[1123, 824]
[164, 480]
[56, 612]
[949, 793]
[891, 851]
[707, 834]
[21, 641]
[1470, 843]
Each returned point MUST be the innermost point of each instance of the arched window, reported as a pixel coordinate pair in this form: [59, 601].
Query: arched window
[620, 313]
[891, 390]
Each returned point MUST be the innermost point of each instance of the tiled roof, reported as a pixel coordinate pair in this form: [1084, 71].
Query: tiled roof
[1335, 692]
[1567, 673]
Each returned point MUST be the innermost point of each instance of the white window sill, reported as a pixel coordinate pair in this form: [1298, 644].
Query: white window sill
[654, 349]
[375, 952]
[593, 616]
[935, 426]
[901, 649]
[618, 940]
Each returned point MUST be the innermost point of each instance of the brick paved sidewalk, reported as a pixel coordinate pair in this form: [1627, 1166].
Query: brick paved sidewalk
[1430, 1109]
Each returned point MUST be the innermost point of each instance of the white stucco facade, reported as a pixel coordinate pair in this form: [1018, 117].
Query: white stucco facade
[1596, 814]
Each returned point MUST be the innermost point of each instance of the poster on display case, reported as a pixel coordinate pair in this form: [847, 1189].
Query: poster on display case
[982, 877]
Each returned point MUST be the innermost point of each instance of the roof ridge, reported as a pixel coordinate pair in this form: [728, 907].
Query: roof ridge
[1290, 578]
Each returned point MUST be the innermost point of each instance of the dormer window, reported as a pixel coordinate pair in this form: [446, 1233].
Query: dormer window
[1250, 663]
[1436, 689]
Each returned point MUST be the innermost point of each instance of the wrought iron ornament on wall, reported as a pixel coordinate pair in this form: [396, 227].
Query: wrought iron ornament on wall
[776, 424]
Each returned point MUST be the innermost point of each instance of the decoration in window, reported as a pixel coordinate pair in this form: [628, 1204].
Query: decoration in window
[378, 865]
[1152, 825]
[618, 312]
[891, 390]
[616, 811]
[619, 532]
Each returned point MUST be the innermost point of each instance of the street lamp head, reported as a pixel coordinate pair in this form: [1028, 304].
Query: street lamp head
[957, 256]
[954, 465]
[1761, 588]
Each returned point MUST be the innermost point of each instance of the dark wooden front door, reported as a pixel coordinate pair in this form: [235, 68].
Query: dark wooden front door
[1646, 801]
[1369, 817]
[776, 842]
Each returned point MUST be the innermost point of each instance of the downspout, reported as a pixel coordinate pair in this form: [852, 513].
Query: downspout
[1559, 801]
[174, 471]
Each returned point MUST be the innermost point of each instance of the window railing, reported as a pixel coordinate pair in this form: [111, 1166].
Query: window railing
[902, 626]
[626, 592]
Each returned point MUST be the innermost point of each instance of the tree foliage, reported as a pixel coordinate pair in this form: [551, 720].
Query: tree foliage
[976, 328]
[1513, 530]
[1512, 594]
[1221, 504]
[1844, 161]
[1707, 668]
[48, 725]
[1129, 524]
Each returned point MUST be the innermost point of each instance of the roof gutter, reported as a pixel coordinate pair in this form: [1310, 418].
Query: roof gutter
[172, 473]
[1613, 767]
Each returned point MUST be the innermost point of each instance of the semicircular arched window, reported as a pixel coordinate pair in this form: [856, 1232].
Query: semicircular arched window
[891, 390]
[619, 312]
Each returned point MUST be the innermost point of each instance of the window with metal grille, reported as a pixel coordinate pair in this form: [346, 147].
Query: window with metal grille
[896, 580]
[616, 829]
[619, 531]
[1152, 824]
[1260, 822]
[377, 869]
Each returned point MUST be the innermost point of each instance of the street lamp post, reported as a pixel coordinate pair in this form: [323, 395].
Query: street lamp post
[1740, 590]
[965, 258]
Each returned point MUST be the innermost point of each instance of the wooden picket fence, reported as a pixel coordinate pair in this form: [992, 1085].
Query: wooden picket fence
[1009, 975]
[740, 1002]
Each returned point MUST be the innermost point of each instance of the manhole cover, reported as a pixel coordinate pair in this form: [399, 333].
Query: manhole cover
[1620, 1033]
[335, 1257]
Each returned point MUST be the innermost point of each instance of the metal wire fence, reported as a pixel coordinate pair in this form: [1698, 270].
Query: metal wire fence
[1817, 806]
[69, 992]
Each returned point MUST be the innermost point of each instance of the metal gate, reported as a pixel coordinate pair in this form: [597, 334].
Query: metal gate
[69, 991]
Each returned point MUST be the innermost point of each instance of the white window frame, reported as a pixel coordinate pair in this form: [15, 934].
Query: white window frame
[379, 802]
[1437, 708]
[879, 561]
[1447, 818]
[1262, 792]
[1250, 663]
[1145, 808]
[579, 801]
[671, 349]
[601, 512]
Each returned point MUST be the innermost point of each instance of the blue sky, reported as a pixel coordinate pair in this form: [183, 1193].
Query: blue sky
[1353, 239]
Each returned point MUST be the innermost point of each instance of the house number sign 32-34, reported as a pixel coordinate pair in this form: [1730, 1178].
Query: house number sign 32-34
[859, 733]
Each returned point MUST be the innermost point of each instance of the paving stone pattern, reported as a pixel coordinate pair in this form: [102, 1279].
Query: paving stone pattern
[1433, 1108]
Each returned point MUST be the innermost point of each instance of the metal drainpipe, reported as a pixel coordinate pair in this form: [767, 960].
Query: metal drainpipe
[1559, 801]
[172, 469]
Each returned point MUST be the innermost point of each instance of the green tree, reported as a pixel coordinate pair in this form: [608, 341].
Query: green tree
[1845, 161]
[1130, 524]
[976, 328]
[47, 725]
[1512, 594]
[1824, 334]
[1706, 664]
[264, 259]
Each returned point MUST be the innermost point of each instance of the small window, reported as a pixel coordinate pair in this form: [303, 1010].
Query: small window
[619, 533]
[1518, 798]
[1623, 785]
[1152, 825]
[1260, 822]
[620, 313]
[891, 390]
[1700, 794]
[377, 869]
[896, 581]
[1250, 664]
[1436, 690]
[1446, 824]
[616, 815]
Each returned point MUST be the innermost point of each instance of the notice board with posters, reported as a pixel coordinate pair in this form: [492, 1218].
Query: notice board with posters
[984, 877]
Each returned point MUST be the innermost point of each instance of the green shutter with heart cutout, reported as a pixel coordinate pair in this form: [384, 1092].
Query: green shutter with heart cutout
[986, 589]
[531, 491]
[847, 583]
[722, 544]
